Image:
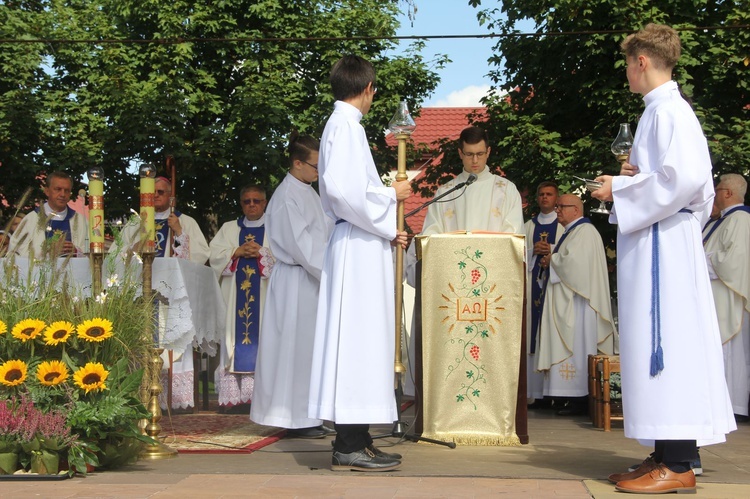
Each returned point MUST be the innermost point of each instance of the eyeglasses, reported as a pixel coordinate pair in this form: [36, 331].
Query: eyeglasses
[250, 201]
[472, 155]
[310, 164]
[374, 90]
[161, 192]
[721, 189]
[561, 206]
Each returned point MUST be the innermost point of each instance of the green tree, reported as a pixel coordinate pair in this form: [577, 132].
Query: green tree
[561, 63]
[217, 84]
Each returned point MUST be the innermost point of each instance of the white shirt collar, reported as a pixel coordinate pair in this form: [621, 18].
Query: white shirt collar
[54, 214]
[571, 223]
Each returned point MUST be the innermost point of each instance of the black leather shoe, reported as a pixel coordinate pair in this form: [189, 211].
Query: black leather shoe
[313, 432]
[362, 460]
[380, 453]
[327, 430]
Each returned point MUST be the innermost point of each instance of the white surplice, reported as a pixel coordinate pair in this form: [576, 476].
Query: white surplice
[688, 400]
[297, 230]
[232, 388]
[729, 267]
[534, 378]
[577, 316]
[30, 235]
[353, 357]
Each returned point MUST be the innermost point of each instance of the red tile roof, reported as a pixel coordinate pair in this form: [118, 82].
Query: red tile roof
[433, 124]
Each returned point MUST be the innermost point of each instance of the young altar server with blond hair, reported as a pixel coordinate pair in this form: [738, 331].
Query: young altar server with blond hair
[673, 388]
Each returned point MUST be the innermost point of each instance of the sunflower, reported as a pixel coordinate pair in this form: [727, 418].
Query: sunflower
[58, 332]
[28, 329]
[51, 373]
[96, 329]
[3, 327]
[13, 372]
[91, 377]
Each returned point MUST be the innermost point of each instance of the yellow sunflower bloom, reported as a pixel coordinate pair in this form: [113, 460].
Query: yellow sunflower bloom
[58, 332]
[96, 329]
[3, 327]
[51, 373]
[91, 377]
[13, 372]
[28, 329]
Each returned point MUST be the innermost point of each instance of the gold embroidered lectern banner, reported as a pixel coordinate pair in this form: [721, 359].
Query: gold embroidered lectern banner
[472, 308]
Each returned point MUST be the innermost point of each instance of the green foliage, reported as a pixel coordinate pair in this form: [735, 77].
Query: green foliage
[568, 93]
[211, 94]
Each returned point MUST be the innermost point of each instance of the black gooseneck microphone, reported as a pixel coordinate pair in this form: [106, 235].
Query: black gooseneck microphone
[469, 180]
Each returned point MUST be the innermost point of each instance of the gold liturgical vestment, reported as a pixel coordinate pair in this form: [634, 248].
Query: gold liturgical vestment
[472, 308]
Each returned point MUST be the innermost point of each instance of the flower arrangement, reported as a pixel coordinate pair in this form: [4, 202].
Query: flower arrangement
[72, 362]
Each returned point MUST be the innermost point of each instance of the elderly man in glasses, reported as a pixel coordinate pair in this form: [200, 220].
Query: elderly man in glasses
[177, 234]
[577, 314]
[241, 259]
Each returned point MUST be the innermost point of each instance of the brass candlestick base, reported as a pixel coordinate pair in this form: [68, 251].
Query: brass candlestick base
[97, 259]
[153, 428]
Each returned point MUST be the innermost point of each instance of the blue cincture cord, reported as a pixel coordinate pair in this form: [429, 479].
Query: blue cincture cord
[657, 354]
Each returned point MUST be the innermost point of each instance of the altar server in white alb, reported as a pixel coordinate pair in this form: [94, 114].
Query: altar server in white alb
[672, 368]
[577, 316]
[727, 244]
[242, 259]
[54, 219]
[353, 357]
[297, 231]
[542, 231]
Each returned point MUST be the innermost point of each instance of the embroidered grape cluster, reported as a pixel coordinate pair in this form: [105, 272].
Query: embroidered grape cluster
[474, 351]
[475, 275]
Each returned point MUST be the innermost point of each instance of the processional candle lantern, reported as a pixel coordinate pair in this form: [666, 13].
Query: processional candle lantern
[147, 173]
[402, 125]
[96, 209]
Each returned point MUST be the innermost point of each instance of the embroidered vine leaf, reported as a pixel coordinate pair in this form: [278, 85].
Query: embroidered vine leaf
[485, 333]
[475, 292]
[459, 398]
[478, 254]
[469, 374]
[475, 392]
[461, 264]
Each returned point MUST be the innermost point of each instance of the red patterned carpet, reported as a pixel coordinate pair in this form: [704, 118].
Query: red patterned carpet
[208, 433]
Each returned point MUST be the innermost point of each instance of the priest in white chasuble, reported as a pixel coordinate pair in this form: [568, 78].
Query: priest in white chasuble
[542, 232]
[297, 231]
[177, 235]
[242, 261]
[54, 219]
[577, 316]
[491, 203]
[727, 245]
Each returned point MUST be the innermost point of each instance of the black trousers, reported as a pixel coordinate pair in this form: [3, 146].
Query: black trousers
[675, 451]
[351, 437]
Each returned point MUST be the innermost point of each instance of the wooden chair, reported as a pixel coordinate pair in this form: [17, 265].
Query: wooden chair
[601, 368]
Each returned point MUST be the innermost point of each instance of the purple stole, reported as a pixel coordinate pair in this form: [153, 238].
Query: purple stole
[247, 305]
[162, 233]
[549, 233]
[60, 228]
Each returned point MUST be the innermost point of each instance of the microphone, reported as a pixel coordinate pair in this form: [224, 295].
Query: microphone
[469, 180]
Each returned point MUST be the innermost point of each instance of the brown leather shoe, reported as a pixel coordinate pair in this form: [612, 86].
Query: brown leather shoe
[660, 480]
[647, 465]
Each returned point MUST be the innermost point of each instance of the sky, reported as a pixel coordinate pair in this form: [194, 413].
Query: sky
[463, 81]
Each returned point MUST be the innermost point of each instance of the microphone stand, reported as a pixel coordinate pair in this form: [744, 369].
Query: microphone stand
[472, 178]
